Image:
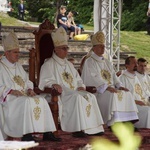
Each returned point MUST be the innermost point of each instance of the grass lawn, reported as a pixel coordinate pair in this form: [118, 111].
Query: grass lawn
[87, 27]
[10, 21]
[138, 42]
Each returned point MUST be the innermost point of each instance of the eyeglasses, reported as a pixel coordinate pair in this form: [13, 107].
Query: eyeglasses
[64, 48]
[100, 45]
[14, 52]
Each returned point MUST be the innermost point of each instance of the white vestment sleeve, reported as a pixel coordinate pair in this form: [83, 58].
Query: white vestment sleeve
[4, 90]
[3, 93]
[90, 75]
[123, 81]
[47, 76]
[118, 85]
[116, 80]
[102, 88]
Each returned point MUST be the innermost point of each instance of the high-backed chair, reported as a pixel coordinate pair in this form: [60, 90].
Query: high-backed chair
[43, 49]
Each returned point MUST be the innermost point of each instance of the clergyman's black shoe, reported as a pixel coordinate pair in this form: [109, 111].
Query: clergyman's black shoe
[136, 129]
[110, 129]
[97, 134]
[49, 136]
[28, 137]
[79, 134]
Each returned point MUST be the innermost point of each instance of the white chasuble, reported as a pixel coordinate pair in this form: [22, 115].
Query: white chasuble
[78, 109]
[115, 107]
[23, 114]
[131, 82]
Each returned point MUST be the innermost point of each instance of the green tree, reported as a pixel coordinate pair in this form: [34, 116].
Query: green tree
[15, 3]
[84, 9]
[134, 15]
[42, 9]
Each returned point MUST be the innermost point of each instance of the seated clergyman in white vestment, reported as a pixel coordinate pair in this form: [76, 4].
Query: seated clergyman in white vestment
[115, 102]
[144, 78]
[130, 79]
[24, 112]
[78, 109]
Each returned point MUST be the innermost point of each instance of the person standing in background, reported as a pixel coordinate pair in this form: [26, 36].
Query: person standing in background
[21, 10]
[148, 11]
[9, 6]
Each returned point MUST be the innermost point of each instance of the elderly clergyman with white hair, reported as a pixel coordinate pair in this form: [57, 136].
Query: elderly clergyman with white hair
[78, 109]
[24, 112]
[115, 102]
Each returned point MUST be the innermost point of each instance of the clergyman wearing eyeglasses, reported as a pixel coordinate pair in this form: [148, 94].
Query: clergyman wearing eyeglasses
[78, 109]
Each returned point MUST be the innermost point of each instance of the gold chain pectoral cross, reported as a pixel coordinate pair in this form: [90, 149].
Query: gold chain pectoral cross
[67, 77]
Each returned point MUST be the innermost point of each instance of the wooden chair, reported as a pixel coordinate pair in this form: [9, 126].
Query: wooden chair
[90, 89]
[43, 49]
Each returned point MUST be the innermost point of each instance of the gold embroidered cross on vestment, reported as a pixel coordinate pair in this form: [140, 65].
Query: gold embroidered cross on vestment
[120, 95]
[88, 110]
[37, 112]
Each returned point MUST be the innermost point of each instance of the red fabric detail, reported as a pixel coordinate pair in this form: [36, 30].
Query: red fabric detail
[29, 89]
[6, 96]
